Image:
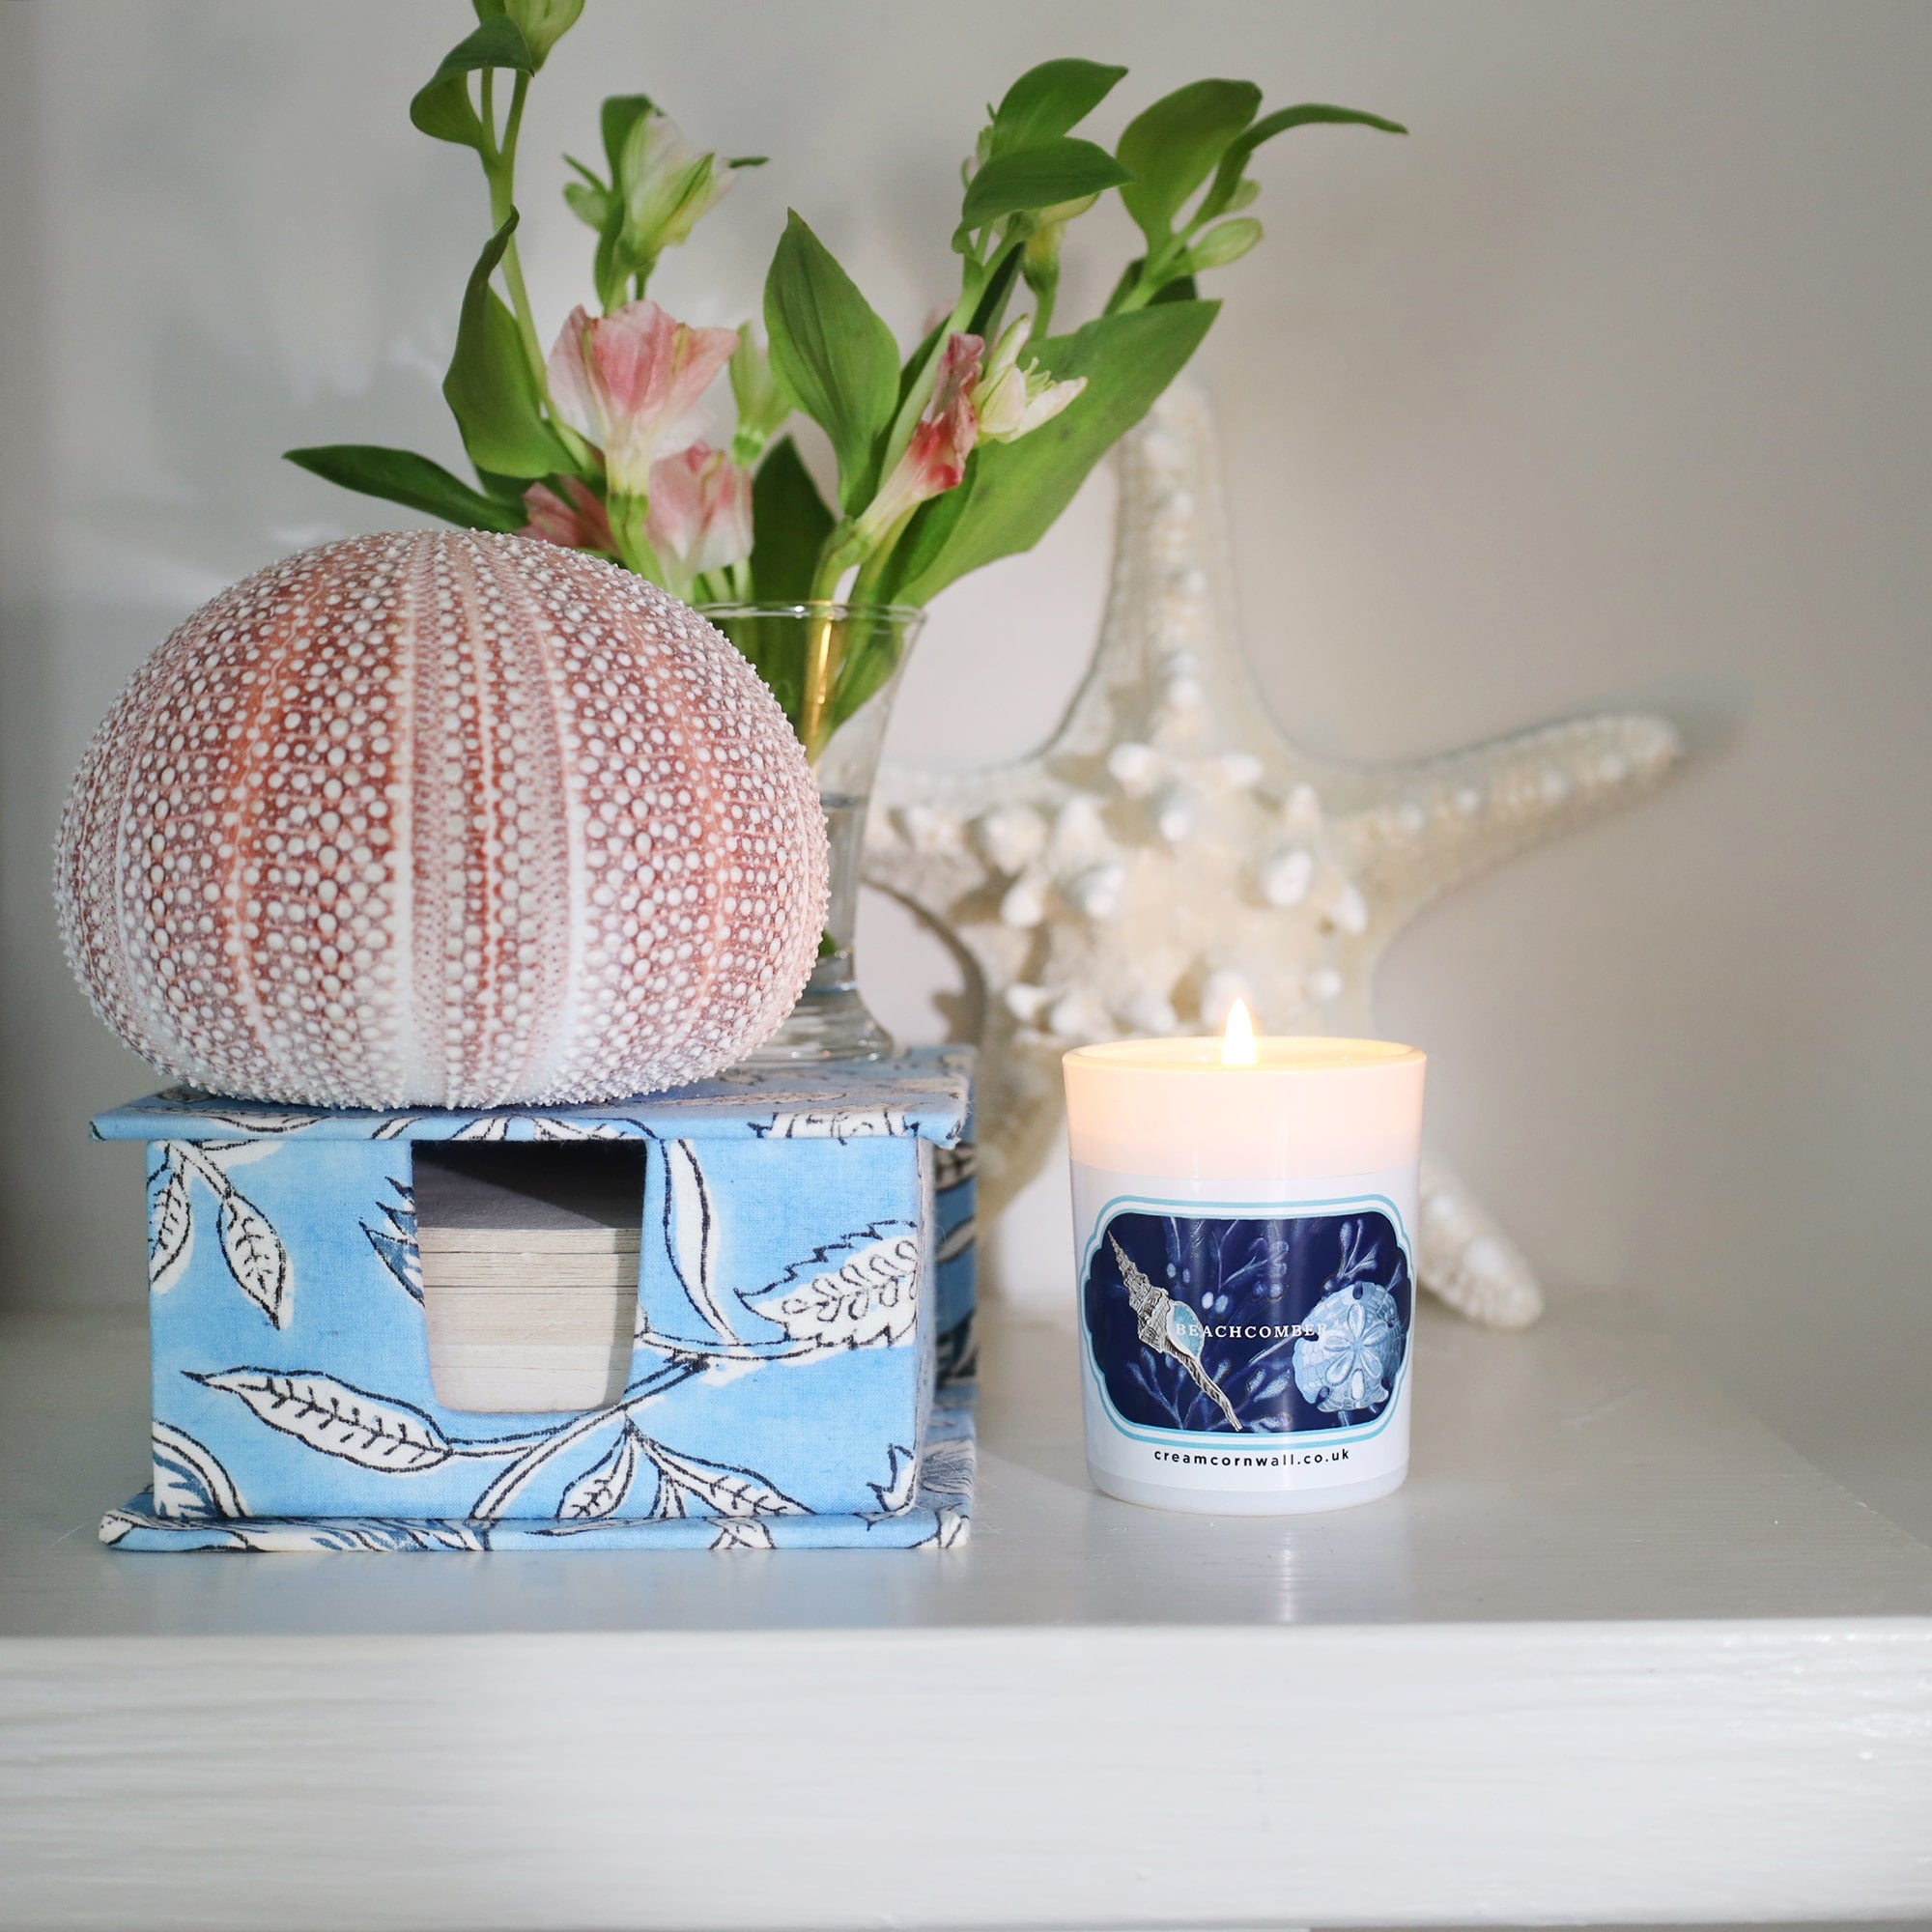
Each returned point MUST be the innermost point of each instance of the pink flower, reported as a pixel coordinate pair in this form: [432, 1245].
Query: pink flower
[627, 382]
[580, 524]
[935, 461]
[700, 511]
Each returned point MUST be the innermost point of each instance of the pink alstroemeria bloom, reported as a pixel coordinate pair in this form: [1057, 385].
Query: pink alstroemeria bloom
[580, 524]
[701, 514]
[1008, 400]
[628, 383]
[935, 461]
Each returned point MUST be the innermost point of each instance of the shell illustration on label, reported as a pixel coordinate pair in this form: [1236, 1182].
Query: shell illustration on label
[1170, 1328]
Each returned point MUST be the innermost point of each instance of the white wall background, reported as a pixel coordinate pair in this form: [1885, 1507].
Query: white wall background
[1608, 386]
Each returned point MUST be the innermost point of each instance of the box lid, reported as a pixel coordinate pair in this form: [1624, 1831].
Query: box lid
[925, 1091]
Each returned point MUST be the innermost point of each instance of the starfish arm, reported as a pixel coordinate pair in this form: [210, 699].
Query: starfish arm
[1464, 1259]
[1431, 824]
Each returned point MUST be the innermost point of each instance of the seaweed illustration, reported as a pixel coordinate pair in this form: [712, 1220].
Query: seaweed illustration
[250, 1247]
[859, 1291]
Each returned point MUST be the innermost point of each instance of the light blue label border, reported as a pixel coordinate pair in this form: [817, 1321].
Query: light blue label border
[1246, 1211]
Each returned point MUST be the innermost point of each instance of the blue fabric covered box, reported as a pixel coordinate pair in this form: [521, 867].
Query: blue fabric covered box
[799, 1370]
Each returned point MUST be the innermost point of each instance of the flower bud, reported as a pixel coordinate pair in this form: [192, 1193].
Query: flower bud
[762, 401]
[1008, 400]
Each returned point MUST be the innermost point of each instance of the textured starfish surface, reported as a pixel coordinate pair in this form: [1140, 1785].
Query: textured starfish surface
[1169, 849]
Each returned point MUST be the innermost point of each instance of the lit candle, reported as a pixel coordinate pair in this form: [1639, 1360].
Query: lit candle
[1243, 1212]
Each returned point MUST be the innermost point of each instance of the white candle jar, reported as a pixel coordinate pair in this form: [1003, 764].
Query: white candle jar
[1244, 1235]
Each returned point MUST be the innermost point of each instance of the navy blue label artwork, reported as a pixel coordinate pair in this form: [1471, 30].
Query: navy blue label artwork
[1244, 1325]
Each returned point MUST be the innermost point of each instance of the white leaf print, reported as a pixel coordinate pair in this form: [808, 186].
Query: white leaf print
[547, 1127]
[189, 1481]
[691, 1235]
[252, 1120]
[719, 1486]
[255, 1256]
[896, 1493]
[601, 1489]
[949, 1533]
[837, 1124]
[170, 1226]
[339, 1419]
[670, 1504]
[858, 1293]
[741, 1533]
[236, 1153]
[491, 1127]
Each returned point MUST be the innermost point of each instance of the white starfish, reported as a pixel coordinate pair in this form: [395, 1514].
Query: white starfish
[1168, 849]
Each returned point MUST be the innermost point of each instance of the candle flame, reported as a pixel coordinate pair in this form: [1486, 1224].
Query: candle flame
[1238, 1037]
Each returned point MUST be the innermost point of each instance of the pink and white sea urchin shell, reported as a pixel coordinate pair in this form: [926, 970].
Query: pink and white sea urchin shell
[442, 819]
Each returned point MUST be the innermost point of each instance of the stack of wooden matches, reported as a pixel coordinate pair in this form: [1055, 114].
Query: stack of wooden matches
[529, 1263]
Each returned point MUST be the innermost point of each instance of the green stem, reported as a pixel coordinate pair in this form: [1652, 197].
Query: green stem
[499, 166]
[1043, 292]
[1157, 272]
[866, 586]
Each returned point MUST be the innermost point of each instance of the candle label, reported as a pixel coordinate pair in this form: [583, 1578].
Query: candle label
[1251, 1347]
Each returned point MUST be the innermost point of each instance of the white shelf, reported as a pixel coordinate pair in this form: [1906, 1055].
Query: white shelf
[1615, 1654]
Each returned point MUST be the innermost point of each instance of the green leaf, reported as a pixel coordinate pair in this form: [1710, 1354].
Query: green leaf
[619, 114]
[401, 476]
[789, 525]
[873, 648]
[1050, 99]
[504, 489]
[590, 204]
[1221, 198]
[1171, 148]
[926, 537]
[442, 108]
[491, 389]
[1015, 490]
[1062, 169]
[833, 352]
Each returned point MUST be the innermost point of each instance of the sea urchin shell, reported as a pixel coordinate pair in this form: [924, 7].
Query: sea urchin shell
[442, 819]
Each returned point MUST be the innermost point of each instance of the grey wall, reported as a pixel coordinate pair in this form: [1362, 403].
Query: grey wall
[1608, 386]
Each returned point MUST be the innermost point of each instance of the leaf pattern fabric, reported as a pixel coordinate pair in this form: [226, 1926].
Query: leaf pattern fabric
[805, 1314]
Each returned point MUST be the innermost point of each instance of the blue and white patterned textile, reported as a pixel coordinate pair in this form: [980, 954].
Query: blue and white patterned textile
[801, 1371]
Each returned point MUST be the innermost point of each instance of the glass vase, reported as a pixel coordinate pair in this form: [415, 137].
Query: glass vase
[835, 668]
